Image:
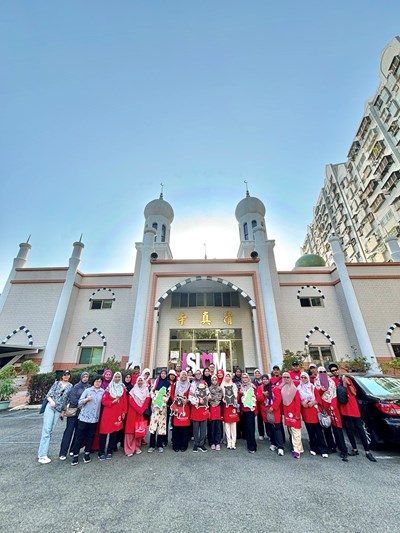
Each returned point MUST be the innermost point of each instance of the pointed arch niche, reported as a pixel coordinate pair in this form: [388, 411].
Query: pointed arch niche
[319, 345]
[91, 348]
[21, 328]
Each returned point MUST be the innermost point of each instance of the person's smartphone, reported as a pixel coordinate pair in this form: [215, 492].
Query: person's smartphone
[61, 417]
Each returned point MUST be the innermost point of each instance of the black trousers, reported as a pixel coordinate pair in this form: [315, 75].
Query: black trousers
[72, 424]
[260, 426]
[316, 438]
[84, 429]
[215, 435]
[351, 423]
[111, 443]
[160, 440]
[339, 438]
[275, 434]
[180, 438]
[249, 425]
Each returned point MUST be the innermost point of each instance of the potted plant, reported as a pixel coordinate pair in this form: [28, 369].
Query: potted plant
[7, 387]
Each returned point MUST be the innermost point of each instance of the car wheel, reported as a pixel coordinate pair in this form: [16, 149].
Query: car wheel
[372, 437]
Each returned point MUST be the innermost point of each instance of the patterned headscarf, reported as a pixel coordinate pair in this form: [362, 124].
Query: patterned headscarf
[116, 390]
[140, 391]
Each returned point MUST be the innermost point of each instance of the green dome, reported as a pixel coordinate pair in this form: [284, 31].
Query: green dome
[310, 260]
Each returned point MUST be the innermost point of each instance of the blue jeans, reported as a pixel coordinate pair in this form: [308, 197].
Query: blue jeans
[50, 419]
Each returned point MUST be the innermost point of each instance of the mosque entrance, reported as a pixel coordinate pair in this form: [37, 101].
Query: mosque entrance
[228, 341]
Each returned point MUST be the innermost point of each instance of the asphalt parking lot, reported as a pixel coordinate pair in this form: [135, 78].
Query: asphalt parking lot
[227, 491]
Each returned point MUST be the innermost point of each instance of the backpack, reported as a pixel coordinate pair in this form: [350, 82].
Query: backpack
[342, 394]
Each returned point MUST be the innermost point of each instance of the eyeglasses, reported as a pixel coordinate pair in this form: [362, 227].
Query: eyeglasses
[286, 377]
[304, 377]
[322, 371]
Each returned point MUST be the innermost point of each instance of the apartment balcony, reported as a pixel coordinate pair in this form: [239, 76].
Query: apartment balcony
[370, 189]
[367, 229]
[365, 124]
[377, 203]
[392, 182]
[384, 165]
[354, 149]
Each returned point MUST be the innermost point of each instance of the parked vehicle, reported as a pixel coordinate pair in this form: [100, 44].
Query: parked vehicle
[379, 399]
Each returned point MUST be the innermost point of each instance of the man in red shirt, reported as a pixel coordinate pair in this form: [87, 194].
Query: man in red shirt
[350, 412]
[276, 378]
[313, 370]
[295, 373]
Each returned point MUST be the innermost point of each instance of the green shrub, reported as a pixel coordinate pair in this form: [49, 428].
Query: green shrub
[355, 364]
[40, 383]
[289, 357]
[8, 372]
[29, 367]
[39, 387]
[7, 388]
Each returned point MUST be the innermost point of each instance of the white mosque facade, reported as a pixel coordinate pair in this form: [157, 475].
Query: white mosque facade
[240, 311]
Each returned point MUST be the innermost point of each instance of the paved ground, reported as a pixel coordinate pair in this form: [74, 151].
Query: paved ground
[227, 491]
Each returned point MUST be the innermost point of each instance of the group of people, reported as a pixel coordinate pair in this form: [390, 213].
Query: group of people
[205, 406]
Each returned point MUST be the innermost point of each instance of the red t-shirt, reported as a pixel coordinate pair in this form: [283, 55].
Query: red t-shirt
[351, 407]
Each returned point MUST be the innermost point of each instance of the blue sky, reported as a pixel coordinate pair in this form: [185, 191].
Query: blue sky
[102, 100]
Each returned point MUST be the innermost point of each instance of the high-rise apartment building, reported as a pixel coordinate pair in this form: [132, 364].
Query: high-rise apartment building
[360, 199]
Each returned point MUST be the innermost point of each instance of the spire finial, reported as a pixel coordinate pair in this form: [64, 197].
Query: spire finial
[162, 189]
[247, 189]
[205, 250]
[80, 238]
[28, 239]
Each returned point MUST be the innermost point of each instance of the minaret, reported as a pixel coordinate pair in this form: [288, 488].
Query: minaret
[250, 214]
[158, 218]
[19, 262]
[61, 311]
[357, 319]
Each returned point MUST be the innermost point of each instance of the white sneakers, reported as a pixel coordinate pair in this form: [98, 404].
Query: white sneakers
[272, 447]
[44, 460]
[325, 455]
[260, 438]
[313, 453]
[281, 452]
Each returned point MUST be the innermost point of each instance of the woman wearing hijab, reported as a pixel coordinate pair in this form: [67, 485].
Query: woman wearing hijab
[215, 414]
[269, 401]
[220, 376]
[128, 382]
[172, 381]
[326, 390]
[138, 401]
[107, 377]
[257, 381]
[207, 376]
[230, 410]
[180, 411]
[158, 421]
[240, 428]
[309, 413]
[147, 378]
[248, 403]
[71, 414]
[199, 397]
[115, 406]
[292, 413]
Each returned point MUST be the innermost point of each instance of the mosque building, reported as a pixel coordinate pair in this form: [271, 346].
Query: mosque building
[237, 312]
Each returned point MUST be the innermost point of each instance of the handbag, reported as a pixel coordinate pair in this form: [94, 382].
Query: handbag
[43, 406]
[140, 429]
[270, 418]
[342, 394]
[147, 412]
[71, 411]
[324, 419]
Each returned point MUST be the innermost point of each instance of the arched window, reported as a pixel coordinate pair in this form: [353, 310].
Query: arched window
[246, 231]
[253, 223]
[155, 225]
[163, 232]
